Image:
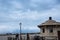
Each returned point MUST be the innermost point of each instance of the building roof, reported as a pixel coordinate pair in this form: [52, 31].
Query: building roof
[50, 22]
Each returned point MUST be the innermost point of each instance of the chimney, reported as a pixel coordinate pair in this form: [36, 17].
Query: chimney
[50, 18]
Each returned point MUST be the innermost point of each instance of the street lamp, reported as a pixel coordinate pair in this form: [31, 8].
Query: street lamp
[20, 31]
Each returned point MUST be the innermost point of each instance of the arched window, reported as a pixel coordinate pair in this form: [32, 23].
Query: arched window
[51, 30]
[43, 30]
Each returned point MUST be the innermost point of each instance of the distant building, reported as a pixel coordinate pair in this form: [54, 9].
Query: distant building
[50, 30]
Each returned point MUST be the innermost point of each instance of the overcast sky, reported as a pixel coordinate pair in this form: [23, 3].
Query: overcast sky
[29, 12]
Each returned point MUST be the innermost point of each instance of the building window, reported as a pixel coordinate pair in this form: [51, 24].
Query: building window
[51, 31]
[50, 28]
[43, 30]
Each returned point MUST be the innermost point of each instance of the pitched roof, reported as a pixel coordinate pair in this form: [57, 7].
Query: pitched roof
[50, 22]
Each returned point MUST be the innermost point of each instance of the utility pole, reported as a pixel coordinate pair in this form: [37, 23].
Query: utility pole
[20, 31]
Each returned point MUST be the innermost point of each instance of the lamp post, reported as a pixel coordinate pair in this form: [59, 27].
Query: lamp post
[20, 31]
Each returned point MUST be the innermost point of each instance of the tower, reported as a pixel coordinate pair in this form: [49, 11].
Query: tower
[50, 29]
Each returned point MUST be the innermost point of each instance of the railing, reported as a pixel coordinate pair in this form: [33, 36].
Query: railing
[31, 37]
[36, 38]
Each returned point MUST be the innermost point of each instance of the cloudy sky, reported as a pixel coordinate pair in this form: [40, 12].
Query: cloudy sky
[29, 12]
